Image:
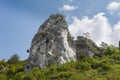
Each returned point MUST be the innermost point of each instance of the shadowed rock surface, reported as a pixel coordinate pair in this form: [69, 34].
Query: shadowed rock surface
[86, 47]
[51, 44]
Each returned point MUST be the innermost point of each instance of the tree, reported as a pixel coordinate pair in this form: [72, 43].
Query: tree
[14, 59]
[119, 45]
[103, 44]
[86, 34]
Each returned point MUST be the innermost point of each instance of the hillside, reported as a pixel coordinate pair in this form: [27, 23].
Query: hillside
[106, 67]
[55, 55]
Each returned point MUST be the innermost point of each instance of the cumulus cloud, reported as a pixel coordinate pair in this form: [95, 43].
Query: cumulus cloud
[99, 28]
[114, 7]
[67, 7]
[116, 33]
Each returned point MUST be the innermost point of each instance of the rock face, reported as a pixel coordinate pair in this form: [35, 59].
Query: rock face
[86, 47]
[51, 44]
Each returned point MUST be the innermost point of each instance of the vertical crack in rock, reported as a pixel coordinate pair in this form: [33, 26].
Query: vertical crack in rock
[51, 44]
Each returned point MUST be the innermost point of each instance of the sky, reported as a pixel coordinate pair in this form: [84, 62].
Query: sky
[20, 20]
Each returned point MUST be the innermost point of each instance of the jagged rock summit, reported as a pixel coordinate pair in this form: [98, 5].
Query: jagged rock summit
[51, 44]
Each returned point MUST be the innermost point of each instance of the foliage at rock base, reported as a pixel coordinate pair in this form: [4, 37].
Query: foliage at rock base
[106, 67]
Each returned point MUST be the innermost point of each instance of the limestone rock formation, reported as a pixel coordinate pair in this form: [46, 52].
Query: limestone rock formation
[86, 47]
[51, 44]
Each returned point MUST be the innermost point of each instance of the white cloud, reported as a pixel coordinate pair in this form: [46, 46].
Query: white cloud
[99, 28]
[116, 33]
[67, 7]
[114, 7]
[70, 0]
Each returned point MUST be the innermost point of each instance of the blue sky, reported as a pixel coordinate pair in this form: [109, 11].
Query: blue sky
[20, 20]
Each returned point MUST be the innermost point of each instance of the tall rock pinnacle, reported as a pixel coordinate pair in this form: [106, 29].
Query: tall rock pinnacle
[51, 44]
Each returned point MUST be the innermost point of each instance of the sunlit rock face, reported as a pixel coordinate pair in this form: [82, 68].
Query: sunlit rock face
[52, 44]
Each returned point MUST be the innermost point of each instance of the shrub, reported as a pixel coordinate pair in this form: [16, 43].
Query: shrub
[19, 76]
[83, 66]
[116, 57]
[3, 77]
[111, 50]
[35, 74]
[61, 76]
[104, 65]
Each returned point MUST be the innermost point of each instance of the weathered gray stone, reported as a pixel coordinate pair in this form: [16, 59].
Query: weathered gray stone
[51, 44]
[86, 47]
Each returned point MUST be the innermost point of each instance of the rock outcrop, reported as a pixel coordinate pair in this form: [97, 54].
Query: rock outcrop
[86, 47]
[51, 44]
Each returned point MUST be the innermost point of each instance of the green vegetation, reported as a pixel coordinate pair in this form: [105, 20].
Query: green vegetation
[14, 59]
[106, 67]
